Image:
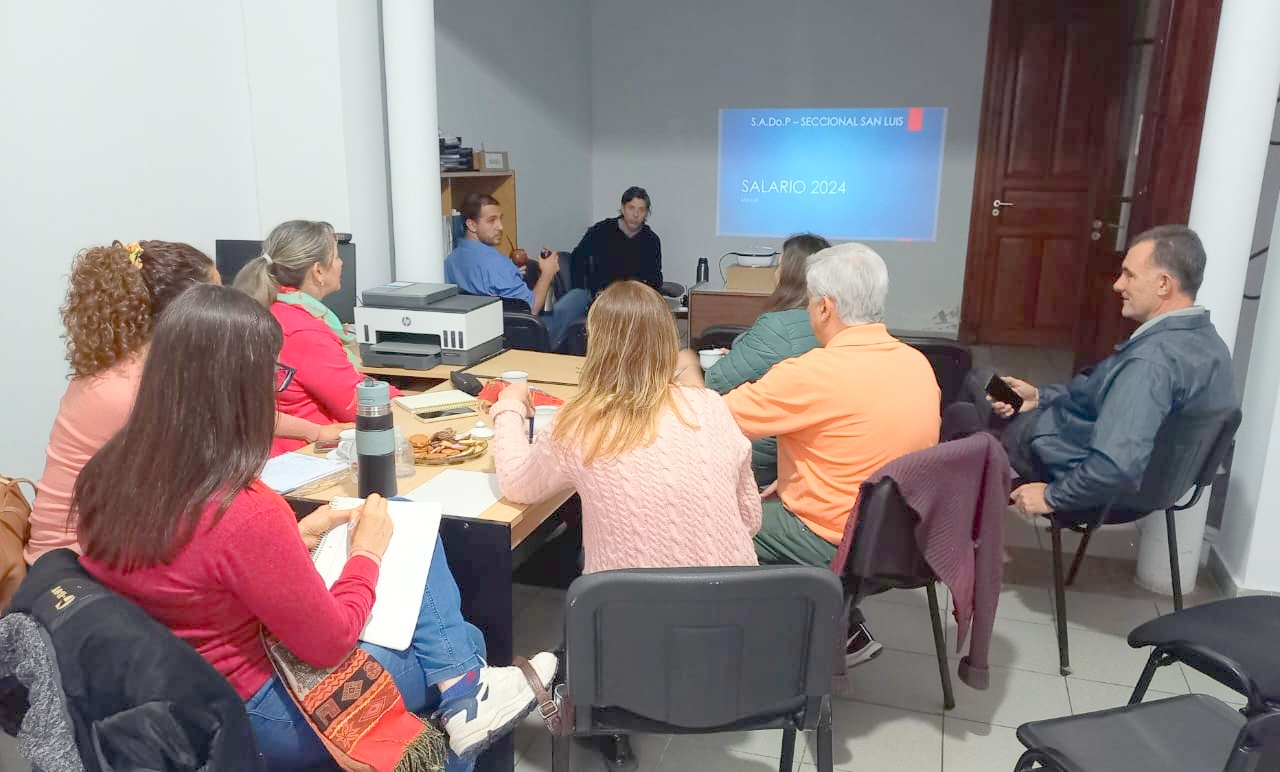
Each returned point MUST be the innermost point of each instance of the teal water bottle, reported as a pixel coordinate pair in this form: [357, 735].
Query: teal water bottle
[375, 439]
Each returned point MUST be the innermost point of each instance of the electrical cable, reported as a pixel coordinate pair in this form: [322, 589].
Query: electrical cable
[743, 254]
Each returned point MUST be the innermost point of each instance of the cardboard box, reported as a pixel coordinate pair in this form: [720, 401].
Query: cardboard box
[740, 278]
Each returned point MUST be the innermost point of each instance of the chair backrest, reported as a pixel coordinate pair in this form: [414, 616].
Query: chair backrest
[1188, 449]
[884, 552]
[575, 339]
[719, 336]
[1257, 747]
[525, 331]
[700, 648]
[951, 361]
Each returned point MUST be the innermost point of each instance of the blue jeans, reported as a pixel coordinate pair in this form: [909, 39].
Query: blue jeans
[444, 646]
[569, 307]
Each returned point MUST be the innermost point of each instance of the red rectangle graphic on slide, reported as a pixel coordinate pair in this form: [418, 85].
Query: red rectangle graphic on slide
[915, 118]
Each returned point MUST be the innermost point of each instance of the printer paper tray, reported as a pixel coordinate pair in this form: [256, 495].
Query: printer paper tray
[403, 347]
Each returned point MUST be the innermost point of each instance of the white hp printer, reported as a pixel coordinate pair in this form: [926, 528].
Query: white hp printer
[418, 326]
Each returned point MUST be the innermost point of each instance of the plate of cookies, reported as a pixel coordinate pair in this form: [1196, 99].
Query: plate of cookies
[446, 446]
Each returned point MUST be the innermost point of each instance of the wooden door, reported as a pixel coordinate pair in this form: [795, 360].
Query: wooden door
[1047, 159]
[1179, 39]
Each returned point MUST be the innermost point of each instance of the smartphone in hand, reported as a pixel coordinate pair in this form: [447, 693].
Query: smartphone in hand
[323, 445]
[1000, 391]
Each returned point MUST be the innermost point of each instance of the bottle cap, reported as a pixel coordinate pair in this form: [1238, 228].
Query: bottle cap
[373, 393]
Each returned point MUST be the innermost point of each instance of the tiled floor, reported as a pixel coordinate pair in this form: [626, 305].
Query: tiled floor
[891, 717]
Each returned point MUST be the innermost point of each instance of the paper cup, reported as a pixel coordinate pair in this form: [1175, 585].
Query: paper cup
[707, 357]
[515, 376]
[542, 416]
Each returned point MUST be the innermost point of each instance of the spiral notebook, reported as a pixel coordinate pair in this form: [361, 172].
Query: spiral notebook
[403, 575]
[436, 400]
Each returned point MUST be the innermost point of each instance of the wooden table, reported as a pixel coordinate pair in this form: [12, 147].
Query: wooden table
[708, 307]
[483, 551]
[561, 369]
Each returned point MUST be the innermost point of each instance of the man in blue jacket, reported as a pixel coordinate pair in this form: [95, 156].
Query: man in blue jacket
[1091, 439]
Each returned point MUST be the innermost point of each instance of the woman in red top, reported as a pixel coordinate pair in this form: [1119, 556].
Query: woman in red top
[173, 517]
[299, 266]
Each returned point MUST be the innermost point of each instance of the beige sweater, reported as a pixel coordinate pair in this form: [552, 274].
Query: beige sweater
[689, 499]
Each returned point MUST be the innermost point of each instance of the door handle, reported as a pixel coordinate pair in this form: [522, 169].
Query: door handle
[997, 205]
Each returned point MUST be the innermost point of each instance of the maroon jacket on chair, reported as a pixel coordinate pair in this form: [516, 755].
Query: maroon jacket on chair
[959, 490]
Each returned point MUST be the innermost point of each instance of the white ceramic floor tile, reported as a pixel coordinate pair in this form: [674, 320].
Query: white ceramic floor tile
[1013, 698]
[648, 750]
[684, 757]
[904, 627]
[1089, 696]
[1025, 603]
[1106, 657]
[1024, 645]
[765, 742]
[1108, 613]
[1203, 684]
[10, 759]
[867, 737]
[896, 679]
[968, 746]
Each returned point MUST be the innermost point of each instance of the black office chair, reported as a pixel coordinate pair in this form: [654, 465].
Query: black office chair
[1191, 732]
[700, 650]
[1232, 641]
[575, 339]
[719, 336]
[1188, 449]
[951, 361]
[884, 556]
[525, 331]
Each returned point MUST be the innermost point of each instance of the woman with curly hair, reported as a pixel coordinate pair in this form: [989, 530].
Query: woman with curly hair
[115, 295]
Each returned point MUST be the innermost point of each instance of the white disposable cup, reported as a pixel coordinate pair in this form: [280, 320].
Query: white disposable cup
[515, 376]
[707, 357]
[542, 416]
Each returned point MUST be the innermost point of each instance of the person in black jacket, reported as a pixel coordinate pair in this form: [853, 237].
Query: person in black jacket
[622, 247]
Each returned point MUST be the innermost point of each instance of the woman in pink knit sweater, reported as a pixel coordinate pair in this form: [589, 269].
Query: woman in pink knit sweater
[663, 470]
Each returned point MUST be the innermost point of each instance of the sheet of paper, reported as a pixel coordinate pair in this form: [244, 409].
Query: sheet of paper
[403, 576]
[294, 470]
[460, 492]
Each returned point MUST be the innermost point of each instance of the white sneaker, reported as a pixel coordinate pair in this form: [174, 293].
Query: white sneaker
[861, 648]
[501, 698]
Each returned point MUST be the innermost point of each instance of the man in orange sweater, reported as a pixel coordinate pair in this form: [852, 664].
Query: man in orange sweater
[840, 412]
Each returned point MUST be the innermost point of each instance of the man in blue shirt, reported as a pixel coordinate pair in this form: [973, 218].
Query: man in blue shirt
[480, 269]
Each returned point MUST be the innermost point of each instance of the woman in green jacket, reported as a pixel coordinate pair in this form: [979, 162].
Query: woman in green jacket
[780, 333]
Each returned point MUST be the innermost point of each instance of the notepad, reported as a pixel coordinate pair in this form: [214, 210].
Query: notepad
[289, 471]
[459, 492]
[436, 400]
[403, 576]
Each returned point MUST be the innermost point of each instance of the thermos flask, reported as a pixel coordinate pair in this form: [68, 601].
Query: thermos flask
[704, 271]
[375, 439]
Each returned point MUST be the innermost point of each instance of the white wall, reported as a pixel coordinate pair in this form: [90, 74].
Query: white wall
[655, 119]
[144, 119]
[515, 77]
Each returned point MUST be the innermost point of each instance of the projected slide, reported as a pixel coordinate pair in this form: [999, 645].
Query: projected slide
[863, 174]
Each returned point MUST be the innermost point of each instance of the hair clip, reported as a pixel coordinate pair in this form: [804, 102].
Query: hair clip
[135, 254]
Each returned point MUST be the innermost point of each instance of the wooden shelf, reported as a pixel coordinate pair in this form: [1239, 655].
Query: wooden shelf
[457, 175]
[499, 184]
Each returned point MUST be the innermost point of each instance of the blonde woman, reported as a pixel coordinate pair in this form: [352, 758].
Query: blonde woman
[299, 267]
[663, 471]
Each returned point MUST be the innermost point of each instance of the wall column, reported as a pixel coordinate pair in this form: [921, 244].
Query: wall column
[1224, 205]
[413, 150]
